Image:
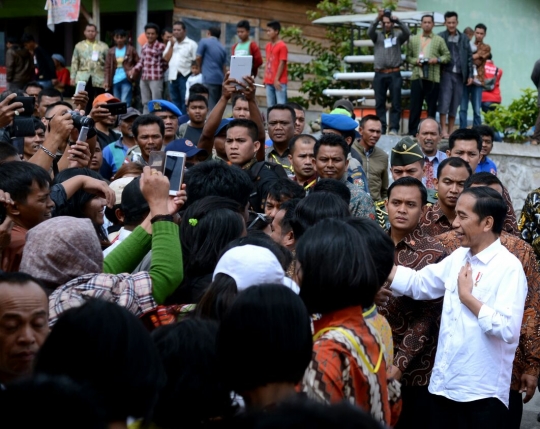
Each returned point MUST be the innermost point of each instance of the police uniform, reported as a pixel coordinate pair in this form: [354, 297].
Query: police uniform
[343, 123]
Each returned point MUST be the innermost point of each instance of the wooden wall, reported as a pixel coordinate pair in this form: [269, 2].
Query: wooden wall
[258, 13]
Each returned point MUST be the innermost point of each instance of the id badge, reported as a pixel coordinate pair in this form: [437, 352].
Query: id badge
[388, 43]
[95, 55]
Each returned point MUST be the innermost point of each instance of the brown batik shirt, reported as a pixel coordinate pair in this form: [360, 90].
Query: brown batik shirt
[434, 222]
[415, 324]
[527, 360]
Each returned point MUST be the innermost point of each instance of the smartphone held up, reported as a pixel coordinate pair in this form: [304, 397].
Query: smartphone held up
[174, 167]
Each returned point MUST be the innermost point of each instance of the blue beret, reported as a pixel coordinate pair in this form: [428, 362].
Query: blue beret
[159, 105]
[338, 122]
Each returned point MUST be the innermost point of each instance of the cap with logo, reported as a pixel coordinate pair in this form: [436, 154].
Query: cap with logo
[163, 106]
[186, 146]
[405, 152]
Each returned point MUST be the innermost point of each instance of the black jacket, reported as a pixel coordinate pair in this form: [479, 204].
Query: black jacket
[465, 54]
[45, 64]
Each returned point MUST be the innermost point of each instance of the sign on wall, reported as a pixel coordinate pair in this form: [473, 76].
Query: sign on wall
[61, 11]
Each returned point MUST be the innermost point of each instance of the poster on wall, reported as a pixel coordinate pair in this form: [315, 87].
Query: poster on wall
[61, 11]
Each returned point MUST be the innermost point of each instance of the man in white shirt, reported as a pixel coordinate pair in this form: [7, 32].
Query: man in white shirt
[180, 52]
[484, 289]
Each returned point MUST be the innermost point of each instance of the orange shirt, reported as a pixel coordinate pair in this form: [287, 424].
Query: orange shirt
[12, 255]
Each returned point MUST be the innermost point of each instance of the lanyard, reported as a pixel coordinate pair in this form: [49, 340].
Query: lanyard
[288, 167]
[310, 184]
[424, 44]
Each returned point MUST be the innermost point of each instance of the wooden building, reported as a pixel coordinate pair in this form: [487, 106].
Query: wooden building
[200, 14]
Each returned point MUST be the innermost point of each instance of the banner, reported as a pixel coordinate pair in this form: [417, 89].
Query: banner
[3, 80]
[61, 11]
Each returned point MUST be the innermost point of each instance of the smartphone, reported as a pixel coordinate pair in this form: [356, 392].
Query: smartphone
[28, 104]
[116, 108]
[240, 67]
[156, 160]
[81, 85]
[174, 170]
[83, 134]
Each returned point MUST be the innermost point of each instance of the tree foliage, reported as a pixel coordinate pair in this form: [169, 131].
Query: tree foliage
[516, 119]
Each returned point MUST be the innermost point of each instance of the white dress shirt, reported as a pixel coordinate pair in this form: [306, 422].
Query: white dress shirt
[122, 235]
[474, 354]
[184, 53]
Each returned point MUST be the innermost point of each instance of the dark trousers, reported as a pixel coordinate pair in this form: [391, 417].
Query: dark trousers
[422, 89]
[416, 400]
[383, 82]
[214, 94]
[484, 413]
[515, 410]
[93, 92]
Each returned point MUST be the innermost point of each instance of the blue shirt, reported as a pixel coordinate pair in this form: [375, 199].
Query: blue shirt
[214, 57]
[120, 73]
[437, 159]
[114, 155]
[487, 165]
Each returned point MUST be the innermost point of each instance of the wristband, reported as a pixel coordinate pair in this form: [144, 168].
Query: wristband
[162, 218]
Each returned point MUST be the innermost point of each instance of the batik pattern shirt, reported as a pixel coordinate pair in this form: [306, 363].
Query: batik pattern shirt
[88, 61]
[527, 360]
[415, 324]
[337, 372]
[434, 222]
[529, 221]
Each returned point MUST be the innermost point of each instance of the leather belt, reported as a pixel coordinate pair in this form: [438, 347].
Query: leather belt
[395, 69]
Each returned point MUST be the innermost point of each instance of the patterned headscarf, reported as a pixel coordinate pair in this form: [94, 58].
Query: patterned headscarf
[62, 249]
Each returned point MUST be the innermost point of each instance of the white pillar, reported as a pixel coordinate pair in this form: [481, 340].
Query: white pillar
[142, 19]
[95, 15]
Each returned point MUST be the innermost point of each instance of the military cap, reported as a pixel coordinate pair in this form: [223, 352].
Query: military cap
[405, 152]
[223, 124]
[163, 105]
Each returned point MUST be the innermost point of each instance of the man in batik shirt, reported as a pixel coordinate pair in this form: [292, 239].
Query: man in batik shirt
[415, 324]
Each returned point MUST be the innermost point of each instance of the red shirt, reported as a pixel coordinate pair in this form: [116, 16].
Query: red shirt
[63, 76]
[495, 95]
[274, 55]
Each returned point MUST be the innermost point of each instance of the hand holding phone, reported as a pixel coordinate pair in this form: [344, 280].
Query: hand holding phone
[174, 170]
[116, 108]
[81, 85]
[156, 160]
[240, 67]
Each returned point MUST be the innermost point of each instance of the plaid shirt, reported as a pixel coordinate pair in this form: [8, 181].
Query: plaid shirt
[436, 48]
[132, 291]
[151, 62]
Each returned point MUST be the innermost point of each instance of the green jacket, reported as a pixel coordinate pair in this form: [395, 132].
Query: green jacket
[376, 168]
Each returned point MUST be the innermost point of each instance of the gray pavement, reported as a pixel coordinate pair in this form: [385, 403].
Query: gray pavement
[530, 411]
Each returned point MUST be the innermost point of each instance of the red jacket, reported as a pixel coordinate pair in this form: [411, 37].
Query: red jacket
[256, 54]
[130, 60]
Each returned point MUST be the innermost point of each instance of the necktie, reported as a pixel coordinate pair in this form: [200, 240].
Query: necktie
[428, 174]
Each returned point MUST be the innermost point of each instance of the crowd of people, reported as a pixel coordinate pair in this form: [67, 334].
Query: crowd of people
[292, 280]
